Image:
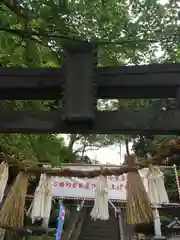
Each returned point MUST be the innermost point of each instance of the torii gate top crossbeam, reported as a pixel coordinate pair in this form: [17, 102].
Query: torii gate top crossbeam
[146, 81]
[80, 82]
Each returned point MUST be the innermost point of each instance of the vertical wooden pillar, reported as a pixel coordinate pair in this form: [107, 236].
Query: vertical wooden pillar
[157, 225]
[79, 89]
[121, 227]
[2, 233]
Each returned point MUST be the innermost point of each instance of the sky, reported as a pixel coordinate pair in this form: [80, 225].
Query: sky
[111, 154]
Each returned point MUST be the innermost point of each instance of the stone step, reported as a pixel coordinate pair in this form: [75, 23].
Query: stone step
[100, 230]
[100, 233]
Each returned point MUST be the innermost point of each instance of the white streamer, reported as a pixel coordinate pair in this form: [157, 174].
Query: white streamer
[100, 209]
[41, 204]
[156, 189]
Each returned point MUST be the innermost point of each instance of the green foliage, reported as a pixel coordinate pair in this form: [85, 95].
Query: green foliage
[35, 147]
[48, 24]
[45, 148]
[166, 219]
[170, 182]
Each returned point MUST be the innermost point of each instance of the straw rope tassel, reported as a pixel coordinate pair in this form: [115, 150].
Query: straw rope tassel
[100, 209]
[138, 208]
[4, 174]
[177, 179]
[12, 211]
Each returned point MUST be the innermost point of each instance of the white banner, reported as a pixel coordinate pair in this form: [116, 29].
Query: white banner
[85, 188]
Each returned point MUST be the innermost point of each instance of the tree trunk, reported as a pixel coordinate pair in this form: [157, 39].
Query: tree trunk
[83, 151]
[120, 152]
[73, 139]
[127, 147]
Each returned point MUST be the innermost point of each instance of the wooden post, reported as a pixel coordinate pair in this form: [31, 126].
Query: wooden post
[157, 225]
[2, 233]
[79, 89]
[121, 228]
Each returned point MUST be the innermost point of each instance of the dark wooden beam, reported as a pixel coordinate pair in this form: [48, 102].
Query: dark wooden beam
[145, 81]
[150, 81]
[31, 84]
[127, 121]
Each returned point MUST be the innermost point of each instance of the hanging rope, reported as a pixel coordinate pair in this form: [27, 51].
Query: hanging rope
[177, 179]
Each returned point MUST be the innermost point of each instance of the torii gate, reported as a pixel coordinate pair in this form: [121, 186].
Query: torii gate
[80, 82]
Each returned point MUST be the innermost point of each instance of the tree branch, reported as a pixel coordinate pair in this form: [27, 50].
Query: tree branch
[23, 34]
[72, 140]
[14, 7]
[33, 147]
[88, 149]
[31, 36]
[93, 148]
[127, 147]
